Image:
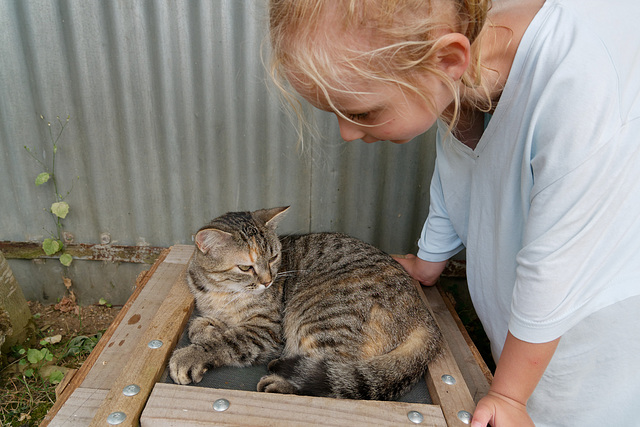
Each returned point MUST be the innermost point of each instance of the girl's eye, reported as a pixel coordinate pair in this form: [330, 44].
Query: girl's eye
[245, 267]
[360, 117]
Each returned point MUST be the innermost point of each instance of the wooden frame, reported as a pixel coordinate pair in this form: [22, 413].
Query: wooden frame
[159, 310]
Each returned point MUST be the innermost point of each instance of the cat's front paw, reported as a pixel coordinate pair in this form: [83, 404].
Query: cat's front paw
[188, 364]
[276, 384]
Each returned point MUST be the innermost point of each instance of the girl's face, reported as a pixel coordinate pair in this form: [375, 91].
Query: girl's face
[383, 112]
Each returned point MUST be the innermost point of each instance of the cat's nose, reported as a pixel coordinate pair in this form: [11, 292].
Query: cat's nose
[265, 279]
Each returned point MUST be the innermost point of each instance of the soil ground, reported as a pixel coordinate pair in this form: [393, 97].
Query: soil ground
[24, 400]
[71, 323]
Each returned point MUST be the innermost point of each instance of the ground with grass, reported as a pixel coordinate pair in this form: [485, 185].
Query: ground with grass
[65, 335]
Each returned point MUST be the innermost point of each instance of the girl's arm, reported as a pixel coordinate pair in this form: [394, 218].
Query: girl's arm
[518, 372]
[425, 272]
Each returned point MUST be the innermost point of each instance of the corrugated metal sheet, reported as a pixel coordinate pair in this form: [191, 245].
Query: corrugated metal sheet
[172, 123]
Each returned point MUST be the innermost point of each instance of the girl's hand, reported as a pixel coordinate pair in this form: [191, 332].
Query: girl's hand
[497, 410]
[425, 272]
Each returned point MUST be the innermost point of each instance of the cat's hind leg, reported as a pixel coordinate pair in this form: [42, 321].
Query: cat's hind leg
[276, 384]
[296, 375]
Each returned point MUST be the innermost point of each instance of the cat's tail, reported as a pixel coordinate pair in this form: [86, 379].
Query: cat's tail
[382, 377]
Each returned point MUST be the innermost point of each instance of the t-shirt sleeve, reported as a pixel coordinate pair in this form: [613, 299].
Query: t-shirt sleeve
[582, 223]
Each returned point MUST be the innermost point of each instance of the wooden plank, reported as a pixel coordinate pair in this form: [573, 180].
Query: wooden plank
[125, 339]
[79, 408]
[171, 405]
[88, 364]
[453, 397]
[145, 365]
[475, 371]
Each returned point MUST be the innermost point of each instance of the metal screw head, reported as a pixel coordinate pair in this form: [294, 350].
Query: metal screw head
[131, 390]
[448, 379]
[105, 238]
[465, 417]
[116, 418]
[155, 344]
[221, 405]
[415, 417]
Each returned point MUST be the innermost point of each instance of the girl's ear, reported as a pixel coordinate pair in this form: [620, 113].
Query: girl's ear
[452, 56]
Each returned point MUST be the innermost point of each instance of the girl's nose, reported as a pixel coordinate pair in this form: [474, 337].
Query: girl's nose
[350, 131]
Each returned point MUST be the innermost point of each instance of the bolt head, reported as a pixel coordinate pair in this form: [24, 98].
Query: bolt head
[116, 418]
[155, 344]
[448, 379]
[415, 417]
[221, 405]
[465, 417]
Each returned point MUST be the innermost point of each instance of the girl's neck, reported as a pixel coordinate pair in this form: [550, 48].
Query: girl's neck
[508, 21]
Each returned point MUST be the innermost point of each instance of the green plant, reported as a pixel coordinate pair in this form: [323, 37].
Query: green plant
[59, 209]
[32, 360]
[105, 303]
[82, 344]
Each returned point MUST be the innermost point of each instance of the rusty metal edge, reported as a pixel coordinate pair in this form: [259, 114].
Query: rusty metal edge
[84, 251]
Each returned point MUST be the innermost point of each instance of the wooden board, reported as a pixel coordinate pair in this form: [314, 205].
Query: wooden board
[146, 363]
[474, 370]
[80, 408]
[171, 405]
[161, 310]
[447, 386]
[117, 345]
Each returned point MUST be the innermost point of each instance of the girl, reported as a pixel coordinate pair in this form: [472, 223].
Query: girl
[537, 174]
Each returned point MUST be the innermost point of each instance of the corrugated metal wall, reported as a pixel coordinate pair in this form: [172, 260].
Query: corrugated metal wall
[173, 121]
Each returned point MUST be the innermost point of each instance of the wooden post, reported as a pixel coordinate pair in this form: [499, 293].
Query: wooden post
[16, 323]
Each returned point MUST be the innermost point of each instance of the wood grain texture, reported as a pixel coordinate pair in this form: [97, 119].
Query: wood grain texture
[452, 398]
[145, 365]
[79, 408]
[64, 394]
[172, 405]
[475, 371]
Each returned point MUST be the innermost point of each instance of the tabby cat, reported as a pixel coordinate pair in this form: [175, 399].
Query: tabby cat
[334, 316]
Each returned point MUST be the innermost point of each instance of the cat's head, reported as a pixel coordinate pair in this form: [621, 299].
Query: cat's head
[240, 251]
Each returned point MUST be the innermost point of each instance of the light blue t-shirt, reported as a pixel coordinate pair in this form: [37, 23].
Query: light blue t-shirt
[548, 208]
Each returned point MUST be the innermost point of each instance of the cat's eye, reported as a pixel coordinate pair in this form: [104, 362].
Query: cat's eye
[245, 267]
[273, 258]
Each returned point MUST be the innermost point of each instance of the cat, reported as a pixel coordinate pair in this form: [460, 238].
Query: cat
[333, 315]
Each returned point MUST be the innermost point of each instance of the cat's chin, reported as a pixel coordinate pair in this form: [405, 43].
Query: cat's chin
[260, 288]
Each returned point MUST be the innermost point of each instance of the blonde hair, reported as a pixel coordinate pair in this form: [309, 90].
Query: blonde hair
[403, 39]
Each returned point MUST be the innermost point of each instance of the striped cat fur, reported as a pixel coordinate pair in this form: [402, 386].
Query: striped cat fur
[333, 316]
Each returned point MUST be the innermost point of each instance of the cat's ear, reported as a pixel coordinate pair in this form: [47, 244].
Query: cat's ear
[271, 217]
[211, 239]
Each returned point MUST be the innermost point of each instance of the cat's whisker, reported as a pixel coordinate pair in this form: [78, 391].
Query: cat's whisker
[289, 272]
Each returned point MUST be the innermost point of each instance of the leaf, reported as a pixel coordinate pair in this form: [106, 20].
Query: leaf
[60, 209]
[51, 246]
[42, 178]
[66, 259]
[102, 301]
[56, 377]
[34, 356]
[28, 372]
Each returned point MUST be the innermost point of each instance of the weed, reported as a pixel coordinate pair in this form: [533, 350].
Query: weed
[59, 209]
[29, 378]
